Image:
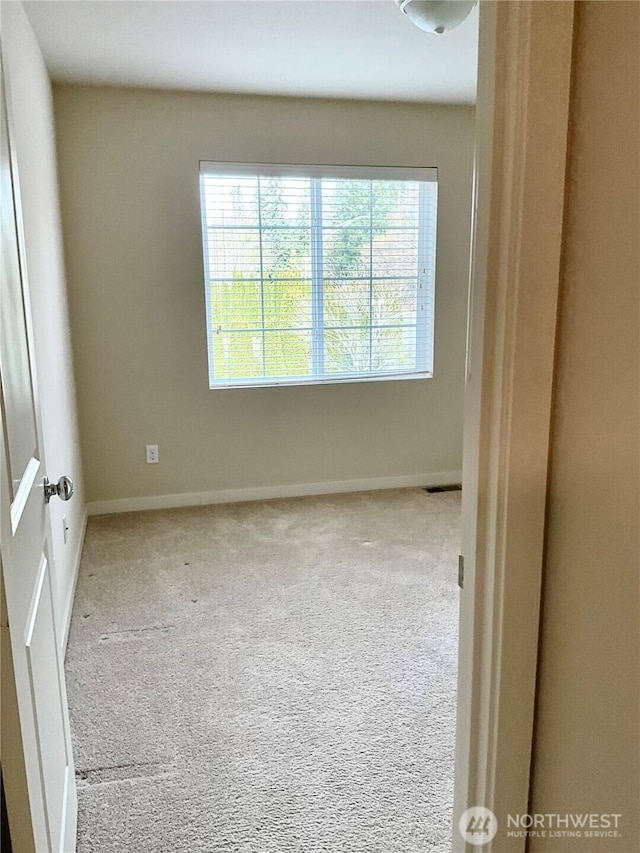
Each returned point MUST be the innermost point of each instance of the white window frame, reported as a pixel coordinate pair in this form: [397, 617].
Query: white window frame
[425, 309]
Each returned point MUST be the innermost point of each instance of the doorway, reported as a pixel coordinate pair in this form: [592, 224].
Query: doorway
[486, 685]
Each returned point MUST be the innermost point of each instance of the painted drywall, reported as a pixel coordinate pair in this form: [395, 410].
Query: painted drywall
[31, 115]
[586, 744]
[128, 164]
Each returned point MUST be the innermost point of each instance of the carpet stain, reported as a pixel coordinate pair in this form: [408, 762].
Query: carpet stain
[133, 633]
[122, 772]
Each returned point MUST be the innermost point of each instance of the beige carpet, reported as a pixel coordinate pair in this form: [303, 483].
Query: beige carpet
[268, 677]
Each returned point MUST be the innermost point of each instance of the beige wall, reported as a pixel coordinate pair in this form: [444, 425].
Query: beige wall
[128, 163]
[31, 112]
[586, 748]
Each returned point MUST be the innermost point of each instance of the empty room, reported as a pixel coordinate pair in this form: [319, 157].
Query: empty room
[266, 235]
[300, 316]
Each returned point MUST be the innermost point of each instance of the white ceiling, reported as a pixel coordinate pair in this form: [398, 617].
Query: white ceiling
[333, 48]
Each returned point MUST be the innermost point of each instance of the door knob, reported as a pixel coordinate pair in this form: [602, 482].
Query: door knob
[62, 489]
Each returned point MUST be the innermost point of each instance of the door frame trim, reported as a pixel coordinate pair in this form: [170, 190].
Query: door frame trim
[525, 60]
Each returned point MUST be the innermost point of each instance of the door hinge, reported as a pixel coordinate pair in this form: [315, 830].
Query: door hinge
[460, 571]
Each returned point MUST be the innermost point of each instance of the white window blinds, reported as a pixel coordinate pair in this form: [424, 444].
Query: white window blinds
[318, 274]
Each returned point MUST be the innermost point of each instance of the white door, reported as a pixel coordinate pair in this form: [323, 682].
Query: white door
[26, 557]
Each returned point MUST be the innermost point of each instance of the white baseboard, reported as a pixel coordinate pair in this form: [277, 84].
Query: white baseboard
[66, 622]
[261, 493]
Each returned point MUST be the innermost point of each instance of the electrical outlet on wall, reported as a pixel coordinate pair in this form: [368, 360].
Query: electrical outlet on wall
[152, 454]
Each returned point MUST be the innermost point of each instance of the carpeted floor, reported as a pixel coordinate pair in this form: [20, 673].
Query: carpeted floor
[268, 677]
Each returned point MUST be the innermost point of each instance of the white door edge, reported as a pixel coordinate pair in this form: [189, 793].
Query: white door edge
[522, 120]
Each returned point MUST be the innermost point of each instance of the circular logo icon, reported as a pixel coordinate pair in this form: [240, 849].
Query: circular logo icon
[478, 825]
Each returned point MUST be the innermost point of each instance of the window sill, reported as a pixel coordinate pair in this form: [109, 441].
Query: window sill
[338, 380]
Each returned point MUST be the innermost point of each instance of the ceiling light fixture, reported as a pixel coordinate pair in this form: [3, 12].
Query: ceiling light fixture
[436, 16]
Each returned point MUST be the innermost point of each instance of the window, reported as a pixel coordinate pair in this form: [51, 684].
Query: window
[318, 274]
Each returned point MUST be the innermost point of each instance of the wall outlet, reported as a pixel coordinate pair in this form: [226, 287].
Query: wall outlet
[65, 528]
[152, 454]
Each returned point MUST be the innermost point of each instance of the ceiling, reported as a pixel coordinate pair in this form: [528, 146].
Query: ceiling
[330, 49]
